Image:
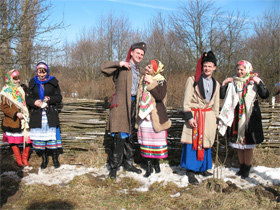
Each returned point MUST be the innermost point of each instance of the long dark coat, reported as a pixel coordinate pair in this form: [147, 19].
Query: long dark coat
[254, 131]
[52, 90]
[120, 112]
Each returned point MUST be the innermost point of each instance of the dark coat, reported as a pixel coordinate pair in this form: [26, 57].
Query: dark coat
[254, 131]
[120, 112]
[159, 113]
[52, 90]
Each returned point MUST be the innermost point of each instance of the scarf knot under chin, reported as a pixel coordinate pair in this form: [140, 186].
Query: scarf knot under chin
[146, 104]
[40, 85]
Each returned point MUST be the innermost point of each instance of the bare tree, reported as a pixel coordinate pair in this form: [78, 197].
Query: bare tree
[22, 24]
[264, 47]
[195, 24]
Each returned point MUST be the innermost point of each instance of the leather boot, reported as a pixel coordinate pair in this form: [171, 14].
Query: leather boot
[149, 169]
[113, 173]
[240, 172]
[129, 151]
[45, 159]
[246, 171]
[55, 158]
[25, 155]
[116, 155]
[17, 153]
[156, 165]
[191, 177]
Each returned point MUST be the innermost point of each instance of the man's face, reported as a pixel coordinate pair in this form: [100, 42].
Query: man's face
[137, 55]
[208, 69]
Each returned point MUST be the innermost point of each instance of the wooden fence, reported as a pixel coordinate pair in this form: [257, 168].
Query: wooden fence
[83, 125]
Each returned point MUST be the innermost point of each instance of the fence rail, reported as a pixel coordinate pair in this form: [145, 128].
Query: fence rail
[84, 122]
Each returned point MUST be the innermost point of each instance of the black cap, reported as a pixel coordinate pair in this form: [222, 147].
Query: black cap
[140, 45]
[209, 57]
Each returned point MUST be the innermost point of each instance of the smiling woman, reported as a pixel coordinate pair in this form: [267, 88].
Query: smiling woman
[16, 116]
[44, 95]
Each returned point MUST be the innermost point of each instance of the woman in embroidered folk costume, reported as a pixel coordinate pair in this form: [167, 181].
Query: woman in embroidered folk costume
[152, 120]
[16, 116]
[44, 95]
[201, 111]
[240, 115]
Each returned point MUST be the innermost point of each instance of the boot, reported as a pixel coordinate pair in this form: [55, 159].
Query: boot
[116, 155]
[45, 159]
[128, 154]
[191, 177]
[55, 158]
[246, 171]
[149, 169]
[113, 173]
[25, 155]
[17, 155]
[240, 172]
[156, 165]
[206, 173]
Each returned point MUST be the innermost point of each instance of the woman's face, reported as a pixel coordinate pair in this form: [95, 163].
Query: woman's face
[241, 72]
[16, 79]
[42, 73]
[149, 69]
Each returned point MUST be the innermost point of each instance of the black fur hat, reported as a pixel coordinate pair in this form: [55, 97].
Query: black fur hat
[209, 57]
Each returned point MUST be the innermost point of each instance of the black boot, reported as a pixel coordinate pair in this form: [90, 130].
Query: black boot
[240, 172]
[206, 173]
[191, 177]
[149, 169]
[116, 155]
[246, 171]
[113, 173]
[55, 158]
[156, 165]
[45, 159]
[129, 151]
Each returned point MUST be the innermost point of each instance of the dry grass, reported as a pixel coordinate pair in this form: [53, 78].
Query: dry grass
[89, 192]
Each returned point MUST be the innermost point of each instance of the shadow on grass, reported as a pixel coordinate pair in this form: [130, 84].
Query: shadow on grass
[10, 174]
[55, 204]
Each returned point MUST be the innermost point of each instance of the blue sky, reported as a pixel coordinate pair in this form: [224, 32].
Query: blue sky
[84, 14]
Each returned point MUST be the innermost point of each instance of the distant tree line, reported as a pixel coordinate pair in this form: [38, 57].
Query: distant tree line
[178, 40]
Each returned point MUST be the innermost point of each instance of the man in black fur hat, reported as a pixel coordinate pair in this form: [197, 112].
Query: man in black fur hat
[201, 111]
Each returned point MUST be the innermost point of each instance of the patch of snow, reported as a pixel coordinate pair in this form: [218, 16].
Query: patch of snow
[176, 174]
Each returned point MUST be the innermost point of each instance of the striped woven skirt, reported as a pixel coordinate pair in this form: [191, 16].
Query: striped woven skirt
[45, 137]
[152, 144]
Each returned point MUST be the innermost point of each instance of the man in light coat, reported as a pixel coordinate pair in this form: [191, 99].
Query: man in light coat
[201, 111]
[126, 76]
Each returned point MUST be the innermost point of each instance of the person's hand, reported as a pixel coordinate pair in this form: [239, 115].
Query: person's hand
[148, 79]
[19, 115]
[38, 103]
[227, 80]
[192, 123]
[46, 99]
[125, 64]
[256, 79]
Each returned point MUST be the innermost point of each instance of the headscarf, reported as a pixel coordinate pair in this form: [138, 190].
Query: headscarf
[244, 88]
[146, 104]
[39, 83]
[15, 94]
